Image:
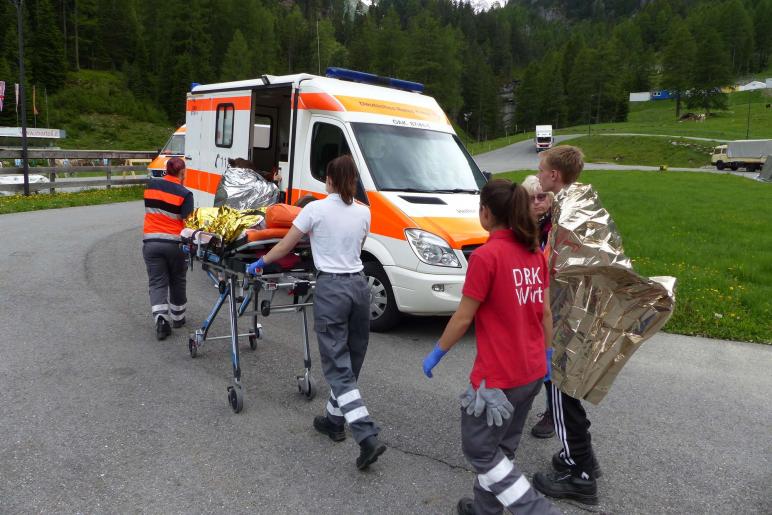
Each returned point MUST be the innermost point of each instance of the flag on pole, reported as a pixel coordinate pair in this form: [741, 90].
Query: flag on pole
[34, 106]
[16, 91]
[2, 94]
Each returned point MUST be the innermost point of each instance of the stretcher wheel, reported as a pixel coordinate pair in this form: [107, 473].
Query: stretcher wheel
[192, 347]
[307, 386]
[252, 341]
[236, 398]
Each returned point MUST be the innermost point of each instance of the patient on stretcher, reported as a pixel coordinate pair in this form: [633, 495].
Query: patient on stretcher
[223, 231]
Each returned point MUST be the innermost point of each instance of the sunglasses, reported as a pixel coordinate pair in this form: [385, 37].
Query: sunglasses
[539, 196]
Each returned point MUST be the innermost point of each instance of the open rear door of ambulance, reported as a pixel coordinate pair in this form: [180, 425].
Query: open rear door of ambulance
[218, 129]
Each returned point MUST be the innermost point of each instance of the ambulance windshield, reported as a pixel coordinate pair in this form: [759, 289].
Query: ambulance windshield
[409, 159]
[175, 146]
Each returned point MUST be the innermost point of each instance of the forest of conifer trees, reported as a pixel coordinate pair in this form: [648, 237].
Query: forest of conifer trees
[570, 61]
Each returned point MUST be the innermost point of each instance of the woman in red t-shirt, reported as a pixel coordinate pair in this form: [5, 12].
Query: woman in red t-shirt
[506, 294]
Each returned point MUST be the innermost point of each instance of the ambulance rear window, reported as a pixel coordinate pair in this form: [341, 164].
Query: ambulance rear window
[223, 136]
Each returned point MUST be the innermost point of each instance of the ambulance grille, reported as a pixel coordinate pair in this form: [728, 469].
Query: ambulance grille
[422, 200]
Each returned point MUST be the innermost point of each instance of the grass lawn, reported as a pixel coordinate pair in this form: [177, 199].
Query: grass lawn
[658, 117]
[645, 150]
[709, 231]
[19, 203]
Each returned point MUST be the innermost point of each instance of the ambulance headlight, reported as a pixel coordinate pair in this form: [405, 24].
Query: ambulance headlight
[431, 249]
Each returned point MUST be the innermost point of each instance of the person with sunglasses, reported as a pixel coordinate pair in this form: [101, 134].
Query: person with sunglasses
[541, 206]
[541, 209]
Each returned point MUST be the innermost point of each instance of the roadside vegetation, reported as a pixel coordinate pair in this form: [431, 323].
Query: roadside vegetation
[645, 150]
[20, 203]
[99, 112]
[710, 232]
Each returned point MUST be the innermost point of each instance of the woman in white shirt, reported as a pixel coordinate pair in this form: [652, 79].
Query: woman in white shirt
[337, 227]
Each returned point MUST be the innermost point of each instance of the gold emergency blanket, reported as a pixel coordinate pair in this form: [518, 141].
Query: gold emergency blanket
[225, 221]
[602, 310]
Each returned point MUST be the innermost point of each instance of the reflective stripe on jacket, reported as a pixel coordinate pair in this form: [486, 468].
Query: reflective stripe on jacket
[167, 204]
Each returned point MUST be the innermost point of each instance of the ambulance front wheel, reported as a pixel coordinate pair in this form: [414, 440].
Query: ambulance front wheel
[383, 306]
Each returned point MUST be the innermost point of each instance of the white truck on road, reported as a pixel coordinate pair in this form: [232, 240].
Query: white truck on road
[750, 154]
[543, 137]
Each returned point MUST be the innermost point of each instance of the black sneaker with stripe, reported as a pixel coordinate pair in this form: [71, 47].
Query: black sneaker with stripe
[560, 465]
[565, 485]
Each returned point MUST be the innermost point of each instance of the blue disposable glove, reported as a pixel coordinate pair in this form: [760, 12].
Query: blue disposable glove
[433, 358]
[254, 267]
[548, 377]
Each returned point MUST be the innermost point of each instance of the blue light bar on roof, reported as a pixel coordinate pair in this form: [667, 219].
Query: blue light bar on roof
[370, 78]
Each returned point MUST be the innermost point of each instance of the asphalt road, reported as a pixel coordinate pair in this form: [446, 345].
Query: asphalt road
[522, 156]
[99, 417]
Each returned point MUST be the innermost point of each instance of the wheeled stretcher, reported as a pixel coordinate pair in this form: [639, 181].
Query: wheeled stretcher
[226, 266]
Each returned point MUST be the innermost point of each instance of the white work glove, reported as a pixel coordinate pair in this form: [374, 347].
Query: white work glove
[467, 399]
[497, 406]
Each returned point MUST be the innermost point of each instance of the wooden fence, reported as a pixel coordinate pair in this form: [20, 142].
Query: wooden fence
[115, 175]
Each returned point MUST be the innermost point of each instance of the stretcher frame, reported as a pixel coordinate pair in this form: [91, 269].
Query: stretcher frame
[227, 270]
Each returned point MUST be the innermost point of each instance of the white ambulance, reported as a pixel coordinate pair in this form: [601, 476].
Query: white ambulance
[420, 183]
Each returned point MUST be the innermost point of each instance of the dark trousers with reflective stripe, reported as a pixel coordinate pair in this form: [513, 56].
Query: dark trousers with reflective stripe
[490, 449]
[572, 429]
[167, 267]
[342, 325]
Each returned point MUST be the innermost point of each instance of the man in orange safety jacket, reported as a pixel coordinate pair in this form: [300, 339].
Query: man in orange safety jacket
[167, 204]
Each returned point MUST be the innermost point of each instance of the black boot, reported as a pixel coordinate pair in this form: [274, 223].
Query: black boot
[162, 328]
[324, 426]
[565, 485]
[369, 450]
[560, 465]
[465, 506]
[544, 428]
[178, 323]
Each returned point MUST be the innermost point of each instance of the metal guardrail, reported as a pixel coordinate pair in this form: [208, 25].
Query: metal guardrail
[112, 177]
[40, 153]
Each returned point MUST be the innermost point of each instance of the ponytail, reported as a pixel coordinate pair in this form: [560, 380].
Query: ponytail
[522, 221]
[510, 204]
[343, 174]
